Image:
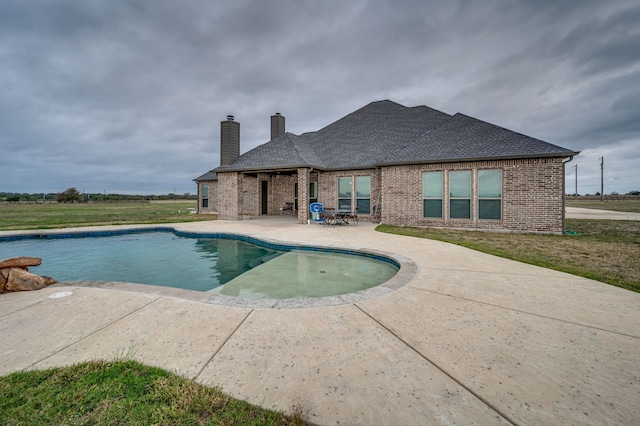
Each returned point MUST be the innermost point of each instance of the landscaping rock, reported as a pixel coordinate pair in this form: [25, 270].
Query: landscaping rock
[21, 280]
[49, 280]
[4, 273]
[15, 275]
[20, 262]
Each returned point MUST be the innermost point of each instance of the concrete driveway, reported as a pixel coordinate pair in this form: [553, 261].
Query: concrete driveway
[471, 339]
[581, 213]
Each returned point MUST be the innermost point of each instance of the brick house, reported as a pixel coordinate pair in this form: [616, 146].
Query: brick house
[412, 166]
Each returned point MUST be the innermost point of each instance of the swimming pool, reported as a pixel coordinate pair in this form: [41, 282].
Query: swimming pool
[232, 265]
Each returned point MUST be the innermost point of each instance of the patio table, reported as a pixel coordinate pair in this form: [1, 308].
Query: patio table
[336, 217]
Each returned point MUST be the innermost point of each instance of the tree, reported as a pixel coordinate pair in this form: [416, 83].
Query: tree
[70, 195]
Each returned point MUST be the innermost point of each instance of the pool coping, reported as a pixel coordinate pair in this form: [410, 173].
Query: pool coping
[407, 268]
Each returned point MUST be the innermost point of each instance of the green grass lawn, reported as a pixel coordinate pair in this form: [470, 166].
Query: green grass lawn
[603, 250]
[53, 215]
[124, 392]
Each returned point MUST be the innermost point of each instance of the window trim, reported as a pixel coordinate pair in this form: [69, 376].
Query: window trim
[453, 198]
[480, 199]
[339, 198]
[355, 193]
[441, 198]
[353, 199]
[204, 192]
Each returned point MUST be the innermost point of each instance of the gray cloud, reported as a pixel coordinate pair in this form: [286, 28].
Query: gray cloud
[127, 96]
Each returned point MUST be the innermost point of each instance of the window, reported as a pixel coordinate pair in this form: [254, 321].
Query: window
[432, 194]
[355, 192]
[490, 194]
[205, 196]
[344, 193]
[460, 194]
[363, 194]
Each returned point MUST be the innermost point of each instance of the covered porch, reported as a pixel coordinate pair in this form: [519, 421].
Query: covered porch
[246, 194]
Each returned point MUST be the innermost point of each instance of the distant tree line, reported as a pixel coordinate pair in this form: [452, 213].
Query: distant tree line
[629, 196]
[72, 195]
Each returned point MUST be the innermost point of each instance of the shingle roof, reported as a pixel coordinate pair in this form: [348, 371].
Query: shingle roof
[363, 137]
[207, 176]
[466, 138]
[286, 151]
[386, 133]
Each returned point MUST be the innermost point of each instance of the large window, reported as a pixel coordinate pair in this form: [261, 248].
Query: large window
[205, 196]
[490, 194]
[460, 194]
[344, 192]
[432, 194]
[363, 194]
[355, 192]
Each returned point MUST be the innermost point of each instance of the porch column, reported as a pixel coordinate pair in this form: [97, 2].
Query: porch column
[303, 195]
[230, 196]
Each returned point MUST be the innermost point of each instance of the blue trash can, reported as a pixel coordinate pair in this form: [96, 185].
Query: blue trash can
[316, 209]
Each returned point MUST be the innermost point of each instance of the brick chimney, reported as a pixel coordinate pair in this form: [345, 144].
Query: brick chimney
[229, 141]
[277, 125]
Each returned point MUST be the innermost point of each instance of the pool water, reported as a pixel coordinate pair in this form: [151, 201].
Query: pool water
[309, 274]
[158, 258]
[227, 266]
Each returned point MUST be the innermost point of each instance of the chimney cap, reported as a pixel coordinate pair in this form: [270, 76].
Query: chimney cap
[230, 117]
[277, 113]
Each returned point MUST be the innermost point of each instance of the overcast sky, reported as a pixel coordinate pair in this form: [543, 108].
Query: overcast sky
[127, 96]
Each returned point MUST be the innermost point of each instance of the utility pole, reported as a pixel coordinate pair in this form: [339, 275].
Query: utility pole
[576, 168]
[601, 178]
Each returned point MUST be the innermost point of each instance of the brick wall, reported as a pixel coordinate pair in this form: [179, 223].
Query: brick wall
[303, 195]
[213, 197]
[532, 191]
[532, 194]
[281, 192]
[230, 200]
[250, 195]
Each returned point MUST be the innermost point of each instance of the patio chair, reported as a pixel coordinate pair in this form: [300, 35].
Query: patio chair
[353, 216]
[328, 216]
[288, 207]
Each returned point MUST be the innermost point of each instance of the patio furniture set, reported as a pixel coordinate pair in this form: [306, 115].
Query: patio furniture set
[338, 217]
[328, 216]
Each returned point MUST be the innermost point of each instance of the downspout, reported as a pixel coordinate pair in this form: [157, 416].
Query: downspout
[309, 199]
[564, 190]
[380, 193]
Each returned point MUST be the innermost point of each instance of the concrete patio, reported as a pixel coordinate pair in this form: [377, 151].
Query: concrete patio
[471, 339]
